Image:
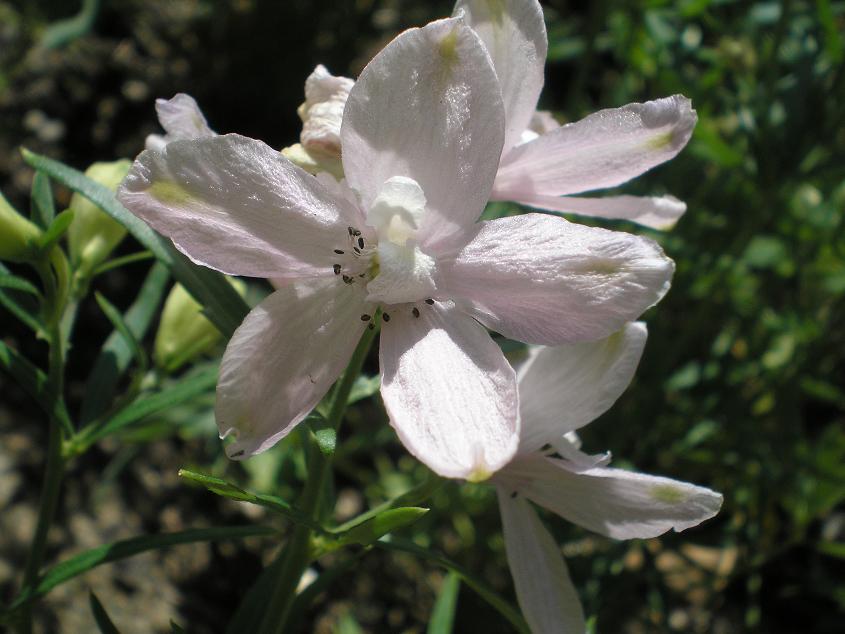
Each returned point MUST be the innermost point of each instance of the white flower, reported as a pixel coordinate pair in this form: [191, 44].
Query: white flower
[562, 389]
[422, 134]
[541, 166]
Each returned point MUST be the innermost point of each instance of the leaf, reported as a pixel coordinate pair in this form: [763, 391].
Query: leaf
[480, 587]
[55, 231]
[234, 492]
[224, 307]
[120, 326]
[834, 549]
[250, 612]
[145, 405]
[443, 612]
[43, 208]
[375, 528]
[36, 384]
[61, 32]
[175, 628]
[7, 280]
[107, 553]
[27, 314]
[104, 623]
[115, 354]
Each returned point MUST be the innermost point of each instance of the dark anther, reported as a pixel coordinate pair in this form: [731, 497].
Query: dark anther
[371, 325]
[362, 275]
[338, 251]
[355, 232]
[357, 250]
[336, 269]
[347, 279]
[365, 317]
[361, 243]
[415, 311]
[351, 230]
[385, 316]
[429, 301]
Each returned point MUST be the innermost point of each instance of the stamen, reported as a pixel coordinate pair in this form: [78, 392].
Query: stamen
[338, 251]
[371, 326]
[336, 269]
[350, 230]
[365, 317]
[355, 232]
[347, 279]
[360, 243]
[385, 317]
[415, 312]
[357, 250]
[429, 301]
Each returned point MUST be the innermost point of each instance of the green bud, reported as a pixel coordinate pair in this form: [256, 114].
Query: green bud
[184, 332]
[94, 234]
[18, 236]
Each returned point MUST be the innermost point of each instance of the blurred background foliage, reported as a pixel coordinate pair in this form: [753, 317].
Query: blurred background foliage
[742, 386]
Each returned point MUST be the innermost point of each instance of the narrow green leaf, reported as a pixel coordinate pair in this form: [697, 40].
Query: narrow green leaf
[224, 307]
[375, 528]
[443, 613]
[35, 382]
[55, 231]
[116, 319]
[43, 209]
[234, 492]
[116, 551]
[175, 628]
[123, 260]
[104, 623]
[480, 587]
[147, 404]
[414, 497]
[61, 32]
[26, 311]
[115, 354]
[7, 280]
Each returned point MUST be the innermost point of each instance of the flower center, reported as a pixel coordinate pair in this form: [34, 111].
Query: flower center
[402, 272]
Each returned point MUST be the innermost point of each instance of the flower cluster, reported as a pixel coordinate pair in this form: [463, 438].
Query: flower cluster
[440, 122]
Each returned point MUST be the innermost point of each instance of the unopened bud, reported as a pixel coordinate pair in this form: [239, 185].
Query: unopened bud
[184, 333]
[18, 236]
[94, 234]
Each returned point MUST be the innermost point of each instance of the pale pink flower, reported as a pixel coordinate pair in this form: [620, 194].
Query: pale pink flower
[562, 389]
[543, 162]
[422, 134]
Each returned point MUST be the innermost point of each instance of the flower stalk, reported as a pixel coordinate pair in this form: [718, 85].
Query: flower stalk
[298, 550]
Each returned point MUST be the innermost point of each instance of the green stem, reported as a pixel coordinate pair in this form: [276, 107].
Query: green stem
[53, 473]
[297, 552]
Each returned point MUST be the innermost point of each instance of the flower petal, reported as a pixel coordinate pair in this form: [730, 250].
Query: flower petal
[540, 279]
[182, 118]
[604, 149]
[449, 392]
[514, 34]
[563, 388]
[619, 504]
[546, 596]
[657, 212]
[236, 205]
[282, 360]
[427, 107]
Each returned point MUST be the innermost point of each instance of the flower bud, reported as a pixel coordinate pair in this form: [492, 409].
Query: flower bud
[184, 332]
[93, 235]
[18, 236]
[321, 114]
